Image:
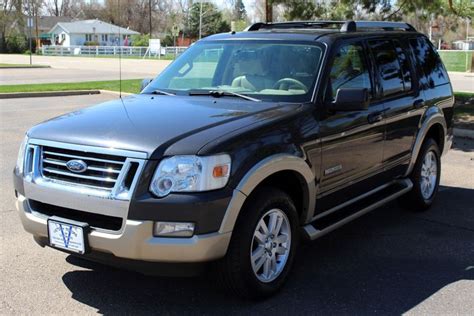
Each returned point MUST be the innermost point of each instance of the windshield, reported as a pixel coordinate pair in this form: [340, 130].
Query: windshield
[266, 70]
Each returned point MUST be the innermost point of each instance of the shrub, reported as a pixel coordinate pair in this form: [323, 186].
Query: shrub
[140, 40]
[91, 43]
[16, 44]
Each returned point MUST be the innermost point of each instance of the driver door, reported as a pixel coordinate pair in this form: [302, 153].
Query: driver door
[352, 141]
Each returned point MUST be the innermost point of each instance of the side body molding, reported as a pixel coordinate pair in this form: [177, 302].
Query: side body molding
[262, 170]
[433, 116]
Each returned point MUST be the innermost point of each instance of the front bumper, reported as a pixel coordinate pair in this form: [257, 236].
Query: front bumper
[135, 240]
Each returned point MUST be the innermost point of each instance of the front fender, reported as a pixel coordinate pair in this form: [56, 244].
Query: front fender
[261, 171]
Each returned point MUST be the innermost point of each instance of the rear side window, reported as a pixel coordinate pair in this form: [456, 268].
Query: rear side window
[433, 72]
[388, 65]
[405, 66]
[348, 70]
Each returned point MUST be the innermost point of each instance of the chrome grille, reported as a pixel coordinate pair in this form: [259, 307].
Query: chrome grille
[103, 170]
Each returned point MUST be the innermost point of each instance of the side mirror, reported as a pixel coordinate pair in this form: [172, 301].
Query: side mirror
[351, 99]
[145, 82]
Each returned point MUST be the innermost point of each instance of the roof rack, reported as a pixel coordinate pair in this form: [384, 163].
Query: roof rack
[343, 26]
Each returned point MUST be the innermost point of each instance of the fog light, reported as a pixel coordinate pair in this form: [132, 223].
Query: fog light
[173, 229]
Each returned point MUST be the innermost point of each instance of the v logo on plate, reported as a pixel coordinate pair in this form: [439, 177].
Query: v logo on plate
[66, 231]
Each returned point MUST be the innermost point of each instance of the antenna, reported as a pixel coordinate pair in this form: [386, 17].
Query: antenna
[120, 53]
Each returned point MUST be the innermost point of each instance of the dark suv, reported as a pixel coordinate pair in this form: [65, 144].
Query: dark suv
[245, 144]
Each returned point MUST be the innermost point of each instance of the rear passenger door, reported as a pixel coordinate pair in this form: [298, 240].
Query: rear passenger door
[401, 100]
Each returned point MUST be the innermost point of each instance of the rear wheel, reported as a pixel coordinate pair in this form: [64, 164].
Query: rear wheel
[425, 176]
[263, 246]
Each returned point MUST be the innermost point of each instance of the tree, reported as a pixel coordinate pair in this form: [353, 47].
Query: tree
[239, 12]
[59, 7]
[462, 8]
[212, 21]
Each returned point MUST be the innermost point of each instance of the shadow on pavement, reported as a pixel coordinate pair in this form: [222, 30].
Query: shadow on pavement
[464, 144]
[388, 261]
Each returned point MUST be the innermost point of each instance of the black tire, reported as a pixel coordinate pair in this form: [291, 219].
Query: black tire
[235, 273]
[415, 200]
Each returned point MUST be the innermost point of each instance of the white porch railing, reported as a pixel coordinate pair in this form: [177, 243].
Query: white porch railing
[137, 51]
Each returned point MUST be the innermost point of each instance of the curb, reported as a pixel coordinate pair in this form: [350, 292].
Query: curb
[116, 92]
[464, 133]
[46, 94]
[26, 67]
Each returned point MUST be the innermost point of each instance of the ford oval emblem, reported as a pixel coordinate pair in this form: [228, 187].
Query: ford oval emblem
[76, 165]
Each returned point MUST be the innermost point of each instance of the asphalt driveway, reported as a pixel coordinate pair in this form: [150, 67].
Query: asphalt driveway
[387, 262]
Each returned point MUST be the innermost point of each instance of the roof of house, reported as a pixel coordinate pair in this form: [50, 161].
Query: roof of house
[47, 22]
[93, 26]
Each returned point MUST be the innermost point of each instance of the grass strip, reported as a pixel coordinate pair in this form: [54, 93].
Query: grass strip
[130, 86]
[3, 65]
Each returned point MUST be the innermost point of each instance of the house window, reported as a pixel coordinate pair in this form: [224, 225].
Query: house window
[105, 37]
[88, 37]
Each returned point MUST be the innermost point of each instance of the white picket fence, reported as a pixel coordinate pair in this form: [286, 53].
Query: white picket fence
[137, 51]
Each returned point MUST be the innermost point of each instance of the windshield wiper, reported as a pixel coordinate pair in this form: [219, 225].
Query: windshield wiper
[157, 91]
[218, 94]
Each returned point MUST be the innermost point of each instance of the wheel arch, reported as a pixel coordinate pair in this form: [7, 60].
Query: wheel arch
[432, 125]
[270, 169]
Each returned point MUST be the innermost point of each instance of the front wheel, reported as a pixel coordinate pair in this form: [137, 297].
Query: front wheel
[263, 246]
[425, 176]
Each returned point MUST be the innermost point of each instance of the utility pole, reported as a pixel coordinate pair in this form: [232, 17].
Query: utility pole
[200, 19]
[149, 20]
[467, 44]
[268, 11]
[431, 28]
[467, 28]
[29, 25]
[38, 41]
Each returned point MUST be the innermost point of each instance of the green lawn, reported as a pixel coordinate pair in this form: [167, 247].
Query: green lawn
[3, 65]
[456, 60]
[131, 86]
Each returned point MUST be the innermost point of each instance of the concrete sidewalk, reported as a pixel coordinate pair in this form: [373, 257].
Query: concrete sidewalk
[77, 69]
[462, 81]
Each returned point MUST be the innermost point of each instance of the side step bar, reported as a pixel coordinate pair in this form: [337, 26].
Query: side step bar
[334, 220]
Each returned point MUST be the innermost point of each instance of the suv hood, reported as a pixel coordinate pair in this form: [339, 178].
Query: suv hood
[146, 122]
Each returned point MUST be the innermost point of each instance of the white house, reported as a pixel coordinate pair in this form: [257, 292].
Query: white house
[464, 45]
[78, 33]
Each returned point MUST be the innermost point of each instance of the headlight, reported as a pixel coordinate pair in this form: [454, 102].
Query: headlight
[190, 174]
[20, 162]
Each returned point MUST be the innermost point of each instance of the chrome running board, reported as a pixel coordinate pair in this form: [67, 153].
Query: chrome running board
[323, 225]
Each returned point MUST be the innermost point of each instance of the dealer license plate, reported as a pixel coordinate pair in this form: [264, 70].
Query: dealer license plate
[66, 235]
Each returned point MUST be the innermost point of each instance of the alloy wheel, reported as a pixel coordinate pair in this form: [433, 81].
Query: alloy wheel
[429, 175]
[270, 246]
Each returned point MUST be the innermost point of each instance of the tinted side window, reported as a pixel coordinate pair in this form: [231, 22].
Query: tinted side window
[405, 66]
[429, 62]
[349, 70]
[388, 66]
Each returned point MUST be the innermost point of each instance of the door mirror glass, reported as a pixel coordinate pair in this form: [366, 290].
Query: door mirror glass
[351, 99]
[145, 82]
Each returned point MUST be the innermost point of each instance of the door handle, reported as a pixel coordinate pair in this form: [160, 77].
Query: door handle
[375, 117]
[419, 103]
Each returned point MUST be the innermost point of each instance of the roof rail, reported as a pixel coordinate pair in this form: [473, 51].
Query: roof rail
[295, 24]
[353, 26]
[343, 26]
